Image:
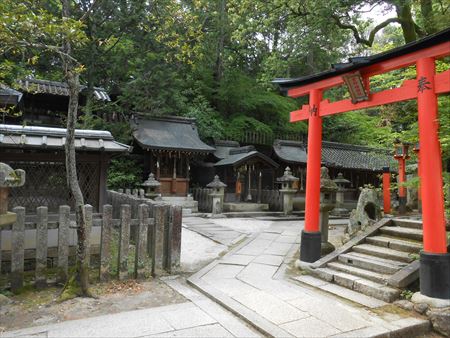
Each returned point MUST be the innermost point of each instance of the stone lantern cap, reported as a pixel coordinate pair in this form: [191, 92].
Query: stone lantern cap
[340, 180]
[10, 178]
[151, 182]
[287, 177]
[216, 183]
[326, 183]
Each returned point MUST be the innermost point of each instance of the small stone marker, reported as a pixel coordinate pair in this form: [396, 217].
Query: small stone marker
[174, 239]
[18, 249]
[63, 244]
[124, 240]
[141, 263]
[41, 247]
[105, 244]
[160, 215]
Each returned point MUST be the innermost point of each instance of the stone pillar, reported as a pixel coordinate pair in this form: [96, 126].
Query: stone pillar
[17, 249]
[141, 263]
[63, 244]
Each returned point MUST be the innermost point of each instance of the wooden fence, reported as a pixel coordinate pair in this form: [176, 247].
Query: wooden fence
[46, 243]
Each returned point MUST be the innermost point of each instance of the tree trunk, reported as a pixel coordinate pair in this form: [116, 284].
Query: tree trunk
[78, 284]
[426, 8]
[404, 13]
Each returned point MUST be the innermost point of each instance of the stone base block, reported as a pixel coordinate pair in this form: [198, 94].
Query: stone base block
[310, 248]
[435, 275]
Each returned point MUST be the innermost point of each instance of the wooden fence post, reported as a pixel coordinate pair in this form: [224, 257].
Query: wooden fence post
[88, 209]
[141, 258]
[63, 244]
[174, 239]
[160, 216]
[17, 249]
[105, 243]
[124, 240]
[41, 247]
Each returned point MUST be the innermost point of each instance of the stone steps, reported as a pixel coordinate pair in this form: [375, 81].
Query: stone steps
[356, 283]
[381, 252]
[401, 232]
[408, 223]
[394, 243]
[371, 263]
[375, 260]
[367, 274]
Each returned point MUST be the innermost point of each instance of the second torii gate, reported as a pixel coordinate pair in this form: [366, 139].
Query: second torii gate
[435, 260]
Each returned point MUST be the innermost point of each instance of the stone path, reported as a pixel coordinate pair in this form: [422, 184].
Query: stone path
[199, 317]
[213, 231]
[250, 281]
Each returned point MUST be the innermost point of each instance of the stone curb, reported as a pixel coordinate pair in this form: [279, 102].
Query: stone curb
[261, 324]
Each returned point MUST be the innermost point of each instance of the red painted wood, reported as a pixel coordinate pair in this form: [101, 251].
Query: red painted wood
[437, 51]
[434, 235]
[312, 204]
[442, 82]
[387, 192]
[300, 115]
[401, 177]
[407, 91]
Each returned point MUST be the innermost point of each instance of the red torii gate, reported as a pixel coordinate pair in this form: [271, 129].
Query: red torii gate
[435, 260]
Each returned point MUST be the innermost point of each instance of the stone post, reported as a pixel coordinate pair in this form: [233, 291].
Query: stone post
[41, 247]
[287, 190]
[328, 190]
[217, 196]
[63, 244]
[17, 249]
[105, 244]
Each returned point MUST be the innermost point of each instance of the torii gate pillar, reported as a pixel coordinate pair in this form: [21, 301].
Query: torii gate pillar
[311, 237]
[434, 259]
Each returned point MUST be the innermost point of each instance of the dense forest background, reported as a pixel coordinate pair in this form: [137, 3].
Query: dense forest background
[214, 59]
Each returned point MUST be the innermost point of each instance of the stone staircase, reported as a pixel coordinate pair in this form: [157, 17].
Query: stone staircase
[369, 266]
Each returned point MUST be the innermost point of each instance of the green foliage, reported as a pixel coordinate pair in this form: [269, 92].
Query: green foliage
[240, 124]
[121, 131]
[407, 294]
[209, 122]
[124, 173]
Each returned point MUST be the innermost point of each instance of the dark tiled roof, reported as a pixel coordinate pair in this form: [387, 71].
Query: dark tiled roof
[15, 136]
[9, 96]
[241, 155]
[290, 151]
[223, 148]
[57, 88]
[349, 156]
[360, 62]
[338, 155]
[170, 133]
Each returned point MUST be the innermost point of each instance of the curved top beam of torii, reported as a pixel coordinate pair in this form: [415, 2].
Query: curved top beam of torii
[436, 47]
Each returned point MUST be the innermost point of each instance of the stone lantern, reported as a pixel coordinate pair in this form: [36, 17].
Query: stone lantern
[9, 178]
[328, 190]
[151, 186]
[288, 190]
[218, 193]
[341, 183]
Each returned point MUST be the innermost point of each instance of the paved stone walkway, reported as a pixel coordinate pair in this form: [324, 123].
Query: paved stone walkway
[251, 282]
[198, 317]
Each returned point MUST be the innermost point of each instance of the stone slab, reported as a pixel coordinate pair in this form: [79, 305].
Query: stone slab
[270, 307]
[269, 260]
[187, 317]
[310, 327]
[238, 259]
